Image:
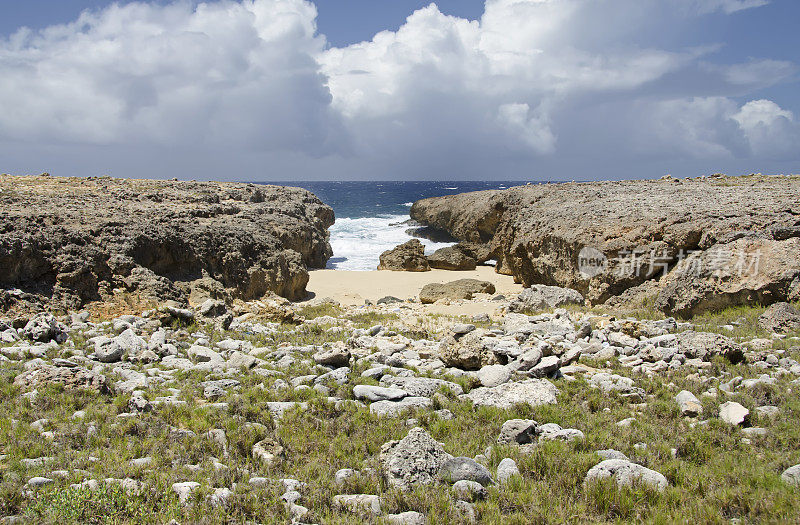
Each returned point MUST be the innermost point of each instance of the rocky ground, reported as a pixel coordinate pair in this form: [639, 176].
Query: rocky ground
[681, 245]
[543, 412]
[65, 241]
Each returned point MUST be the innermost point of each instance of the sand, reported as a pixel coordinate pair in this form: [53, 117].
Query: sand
[352, 288]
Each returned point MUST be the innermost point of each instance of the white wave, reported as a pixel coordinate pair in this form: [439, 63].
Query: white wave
[358, 243]
[452, 188]
[408, 204]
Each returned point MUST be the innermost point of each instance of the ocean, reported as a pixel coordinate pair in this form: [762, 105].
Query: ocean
[371, 217]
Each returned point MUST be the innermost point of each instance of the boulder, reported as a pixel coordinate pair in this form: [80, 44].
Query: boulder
[733, 413]
[506, 469]
[407, 257]
[706, 345]
[358, 503]
[454, 290]
[465, 351]
[518, 431]
[688, 404]
[414, 460]
[467, 490]
[493, 375]
[421, 386]
[451, 258]
[461, 468]
[335, 356]
[44, 328]
[626, 473]
[378, 393]
[791, 476]
[540, 234]
[780, 318]
[534, 392]
[541, 297]
[269, 452]
[70, 377]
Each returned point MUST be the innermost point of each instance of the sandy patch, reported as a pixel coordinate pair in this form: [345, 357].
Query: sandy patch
[352, 288]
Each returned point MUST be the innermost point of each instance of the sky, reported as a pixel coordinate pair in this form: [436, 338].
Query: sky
[265, 90]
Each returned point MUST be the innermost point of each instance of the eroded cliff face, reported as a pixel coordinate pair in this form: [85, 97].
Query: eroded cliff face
[68, 241]
[642, 230]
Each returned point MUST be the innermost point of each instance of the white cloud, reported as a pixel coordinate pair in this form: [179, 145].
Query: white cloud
[532, 84]
[225, 73]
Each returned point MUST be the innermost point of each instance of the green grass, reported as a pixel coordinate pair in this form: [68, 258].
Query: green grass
[714, 476]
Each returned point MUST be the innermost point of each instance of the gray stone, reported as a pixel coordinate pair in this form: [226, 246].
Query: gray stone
[541, 297]
[395, 408]
[791, 476]
[493, 375]
[506, 469]
[689, 405]
[378, 393]
[358, 503]
[534, 392]
[466, 490]
[461, 468]
[421, 386]
[547, 366]
[780, 318]
[518, 431]
[406, 518]
[626, 473]
[733, 413]
[335, 356]
[184, 490]
[414, 460]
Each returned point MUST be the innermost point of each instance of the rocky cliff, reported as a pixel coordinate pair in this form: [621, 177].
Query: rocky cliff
[68, 241]
[687, 244]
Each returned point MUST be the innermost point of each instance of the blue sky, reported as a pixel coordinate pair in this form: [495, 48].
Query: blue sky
[527, 89]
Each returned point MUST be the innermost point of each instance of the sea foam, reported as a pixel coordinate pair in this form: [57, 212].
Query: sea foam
[358, 242]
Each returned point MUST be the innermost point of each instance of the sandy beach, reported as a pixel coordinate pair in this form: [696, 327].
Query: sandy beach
[353, 287]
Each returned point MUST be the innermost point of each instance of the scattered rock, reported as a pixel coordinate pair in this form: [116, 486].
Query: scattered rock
[534, 392]
[70, 377]
[506, 469]
[466, 490]
[689, 405]
[541, 297]
[626, 473]
[733, 413]
[414, 460]
[358, 503]
[791, 476]
[461, 468]
[518, 431]
[378, 393]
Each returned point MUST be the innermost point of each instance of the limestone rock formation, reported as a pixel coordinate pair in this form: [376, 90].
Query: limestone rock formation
[407, 257]
[69, 241]
[603, 238]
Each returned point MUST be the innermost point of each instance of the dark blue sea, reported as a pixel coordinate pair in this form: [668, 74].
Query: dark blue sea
[371, 216]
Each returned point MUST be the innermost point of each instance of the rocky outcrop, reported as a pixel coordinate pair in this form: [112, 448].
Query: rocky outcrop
[407, 257]
[604, 238]
[69, 241]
